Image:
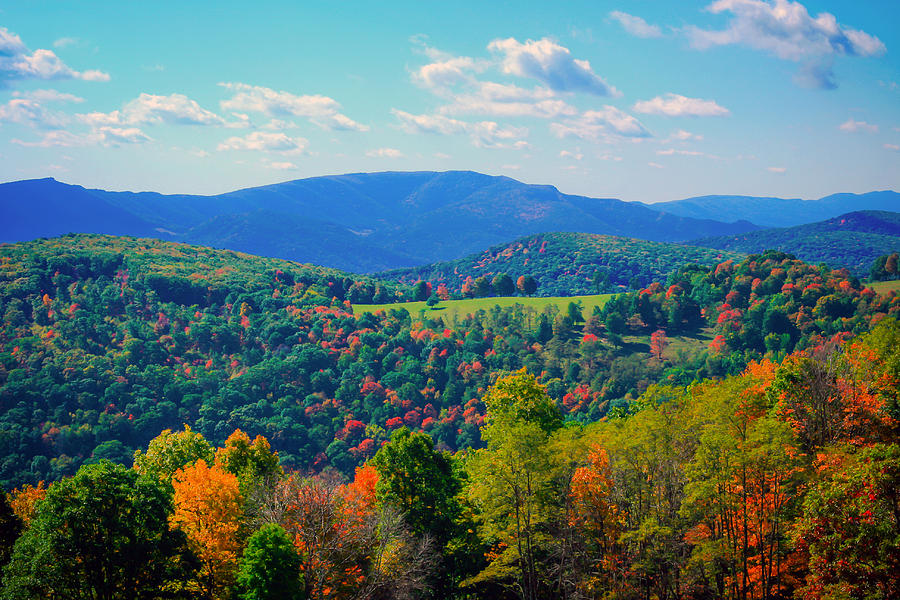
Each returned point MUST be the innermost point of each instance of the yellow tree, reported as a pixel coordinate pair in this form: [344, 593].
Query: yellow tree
[208, 509]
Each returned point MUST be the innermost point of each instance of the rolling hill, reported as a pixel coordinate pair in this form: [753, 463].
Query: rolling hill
[567, 263]
[778, 212]
[853, 240]
[360, 222]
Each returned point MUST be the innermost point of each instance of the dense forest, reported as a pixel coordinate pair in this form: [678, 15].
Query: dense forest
[564, 264]
[775, 483]
[107, 341]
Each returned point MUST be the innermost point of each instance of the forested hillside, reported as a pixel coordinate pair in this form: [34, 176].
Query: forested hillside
[853, 240]
[106, 341]
[779, 482]
[564, 264]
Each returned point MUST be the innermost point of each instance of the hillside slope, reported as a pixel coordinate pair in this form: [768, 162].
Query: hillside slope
[853, 240]
[568, 263]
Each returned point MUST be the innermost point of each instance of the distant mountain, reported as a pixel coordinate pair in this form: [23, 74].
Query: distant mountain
[360, 222]
[853, 240]
[778, 212]
[46, 208]
[566, 264]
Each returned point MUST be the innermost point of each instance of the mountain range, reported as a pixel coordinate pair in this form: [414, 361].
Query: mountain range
[853, 240]
[369, 222]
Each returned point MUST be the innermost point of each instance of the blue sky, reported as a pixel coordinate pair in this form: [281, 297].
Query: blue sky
[635, 99]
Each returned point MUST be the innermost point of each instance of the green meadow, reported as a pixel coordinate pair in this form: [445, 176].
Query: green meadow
[450, 309]
[884, 287]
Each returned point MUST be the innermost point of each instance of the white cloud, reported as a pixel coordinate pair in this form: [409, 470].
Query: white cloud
[551, 64]
[64, 42]
[787, 30]
[447, 71]
[487, 134]
[574, 155]
[672, 152]
[504, 100]
[175, 109]
[851, 126]
[776, 169]
[16, 63]
[266, 142]
[674, 105]
[27, 108]
[281, 165]
[681, 135]
[384, 153]
[106, 136]
[608, 123]
[655, 165]
[321, 110]
[48, 96]
[636, 26]
[892, 147]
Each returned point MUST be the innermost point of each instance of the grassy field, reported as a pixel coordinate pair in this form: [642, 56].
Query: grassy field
[883, 287]
[450, 309]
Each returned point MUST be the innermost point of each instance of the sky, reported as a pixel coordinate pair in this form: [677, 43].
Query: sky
[643, 100]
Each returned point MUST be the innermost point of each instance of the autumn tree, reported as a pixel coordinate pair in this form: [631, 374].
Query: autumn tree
[526, 285]
[658, 343]
[23, 500]
[208, 509]
[103, 533]
[850, 524]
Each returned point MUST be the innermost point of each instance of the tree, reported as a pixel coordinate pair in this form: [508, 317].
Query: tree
[432, 301]
[851, 524]
[208, 509]
[482, 287]
[270, 567]
[103, 533]
[503, 285]
[511, 480]
[170, 451]
[658, 343]
[419, 482]
[526, 285]
[251, 462]
[10, 528]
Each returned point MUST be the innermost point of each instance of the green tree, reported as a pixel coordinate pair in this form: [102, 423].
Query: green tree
[482, 287]
[270, 567]
[170, 451]
[512, 481]
[526, 285]
[102, 534]
[503, 285]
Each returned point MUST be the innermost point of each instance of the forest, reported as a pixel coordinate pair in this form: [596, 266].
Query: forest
[727, 432]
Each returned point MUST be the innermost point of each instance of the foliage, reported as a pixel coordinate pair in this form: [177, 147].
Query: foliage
[103, 533]
[208, 510]
[561, 264]
[270, 567]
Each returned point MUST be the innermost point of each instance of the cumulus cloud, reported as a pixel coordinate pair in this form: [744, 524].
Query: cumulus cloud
[266, 142]
[786, 29]
[551, 64]
[636, 26]
[17, 63]
[851, 126]
[27, 108]
[505, 100]
[608, 123]
[674, 105]
[384, 153]
[321, 110]
[487, 134]
[174, 109]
